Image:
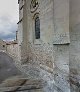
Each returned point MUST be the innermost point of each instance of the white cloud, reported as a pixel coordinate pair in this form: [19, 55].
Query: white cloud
[8, 18]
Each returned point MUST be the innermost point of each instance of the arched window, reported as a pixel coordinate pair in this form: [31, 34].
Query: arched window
[37, 28]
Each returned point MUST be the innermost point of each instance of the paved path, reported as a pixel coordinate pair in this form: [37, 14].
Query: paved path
[7, 67]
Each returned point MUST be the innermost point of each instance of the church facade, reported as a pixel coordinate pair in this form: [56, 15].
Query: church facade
[49, 42]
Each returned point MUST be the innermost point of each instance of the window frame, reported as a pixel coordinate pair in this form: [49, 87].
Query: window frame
[37, 27]
[36, 41]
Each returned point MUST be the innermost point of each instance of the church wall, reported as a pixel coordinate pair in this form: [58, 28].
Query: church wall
[44, 53]
[20, 39]
[61, 22]
[37, 54]
[55, 56]
[20, 31]
[75, 45]
[30, 46]
[24, 33]
[40, 50]
[61, 43]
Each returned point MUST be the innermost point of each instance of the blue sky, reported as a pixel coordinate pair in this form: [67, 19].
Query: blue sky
[8, 19]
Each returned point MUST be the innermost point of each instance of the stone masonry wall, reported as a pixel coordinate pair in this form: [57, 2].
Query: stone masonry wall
[75, 45]
[41, 54]
[37, 55]
[13, 51]
[47, 58]
[61, 42]
[55, 56]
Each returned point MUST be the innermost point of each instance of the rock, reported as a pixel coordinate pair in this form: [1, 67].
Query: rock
[13, 83]
[21, 84]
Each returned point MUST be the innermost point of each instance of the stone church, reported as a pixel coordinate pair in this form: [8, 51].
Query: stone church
[49, 43]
